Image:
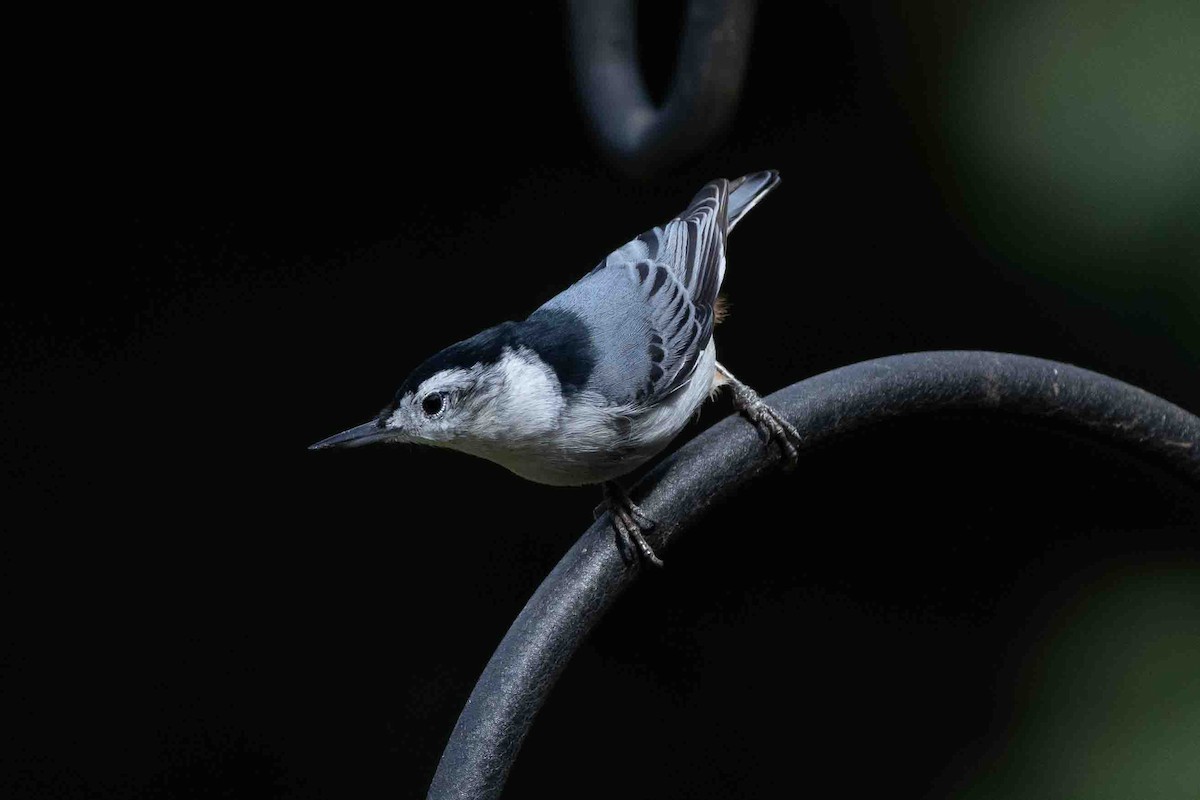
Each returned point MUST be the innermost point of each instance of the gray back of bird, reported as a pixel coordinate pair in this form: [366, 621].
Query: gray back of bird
[649, 305]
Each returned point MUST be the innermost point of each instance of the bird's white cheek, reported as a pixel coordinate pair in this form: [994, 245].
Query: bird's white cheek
[531, 402]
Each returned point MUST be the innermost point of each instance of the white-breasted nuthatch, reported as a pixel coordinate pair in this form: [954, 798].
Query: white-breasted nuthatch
[600, 378]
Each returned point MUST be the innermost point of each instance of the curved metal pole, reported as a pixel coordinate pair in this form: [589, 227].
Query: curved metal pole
[704, 90]
[677, 492]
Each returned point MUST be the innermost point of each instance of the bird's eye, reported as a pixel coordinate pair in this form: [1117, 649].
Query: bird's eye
[433, 403]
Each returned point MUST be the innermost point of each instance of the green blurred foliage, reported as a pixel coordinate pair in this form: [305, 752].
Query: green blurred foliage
[1072, 134]
[1107, 698]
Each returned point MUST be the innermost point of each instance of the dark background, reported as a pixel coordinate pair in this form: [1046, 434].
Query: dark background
[307, 207]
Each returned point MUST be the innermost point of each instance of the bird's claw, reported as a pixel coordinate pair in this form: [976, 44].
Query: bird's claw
[783, 432]
[629, 521]
[770, 424]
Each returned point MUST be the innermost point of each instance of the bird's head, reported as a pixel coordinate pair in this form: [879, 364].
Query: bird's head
[478, 395]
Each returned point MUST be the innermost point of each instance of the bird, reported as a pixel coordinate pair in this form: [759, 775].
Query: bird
[600, 378]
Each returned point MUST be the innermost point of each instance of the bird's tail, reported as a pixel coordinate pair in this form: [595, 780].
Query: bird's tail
[746, 191]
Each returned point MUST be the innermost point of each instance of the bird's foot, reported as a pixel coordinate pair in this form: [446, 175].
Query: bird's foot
[771, 425]
[628, 520]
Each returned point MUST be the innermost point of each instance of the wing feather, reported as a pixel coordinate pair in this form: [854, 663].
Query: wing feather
[679, 270]
[650, 304]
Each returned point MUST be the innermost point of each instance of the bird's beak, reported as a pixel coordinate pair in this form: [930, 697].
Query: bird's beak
[367, 433]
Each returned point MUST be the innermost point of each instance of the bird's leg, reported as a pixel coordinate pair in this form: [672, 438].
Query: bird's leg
[769, 422]
[628, 520]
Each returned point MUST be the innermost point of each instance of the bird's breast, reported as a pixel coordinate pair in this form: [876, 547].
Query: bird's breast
[595, 440]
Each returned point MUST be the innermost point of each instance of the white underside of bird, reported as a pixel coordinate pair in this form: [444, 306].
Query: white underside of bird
[573, 445]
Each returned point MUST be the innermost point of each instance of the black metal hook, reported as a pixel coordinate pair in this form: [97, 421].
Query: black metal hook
[639, 137]
[593, 574]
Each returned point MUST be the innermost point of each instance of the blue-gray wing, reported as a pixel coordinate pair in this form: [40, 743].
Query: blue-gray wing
[649, 305]
[671, 275]
[680, 277]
